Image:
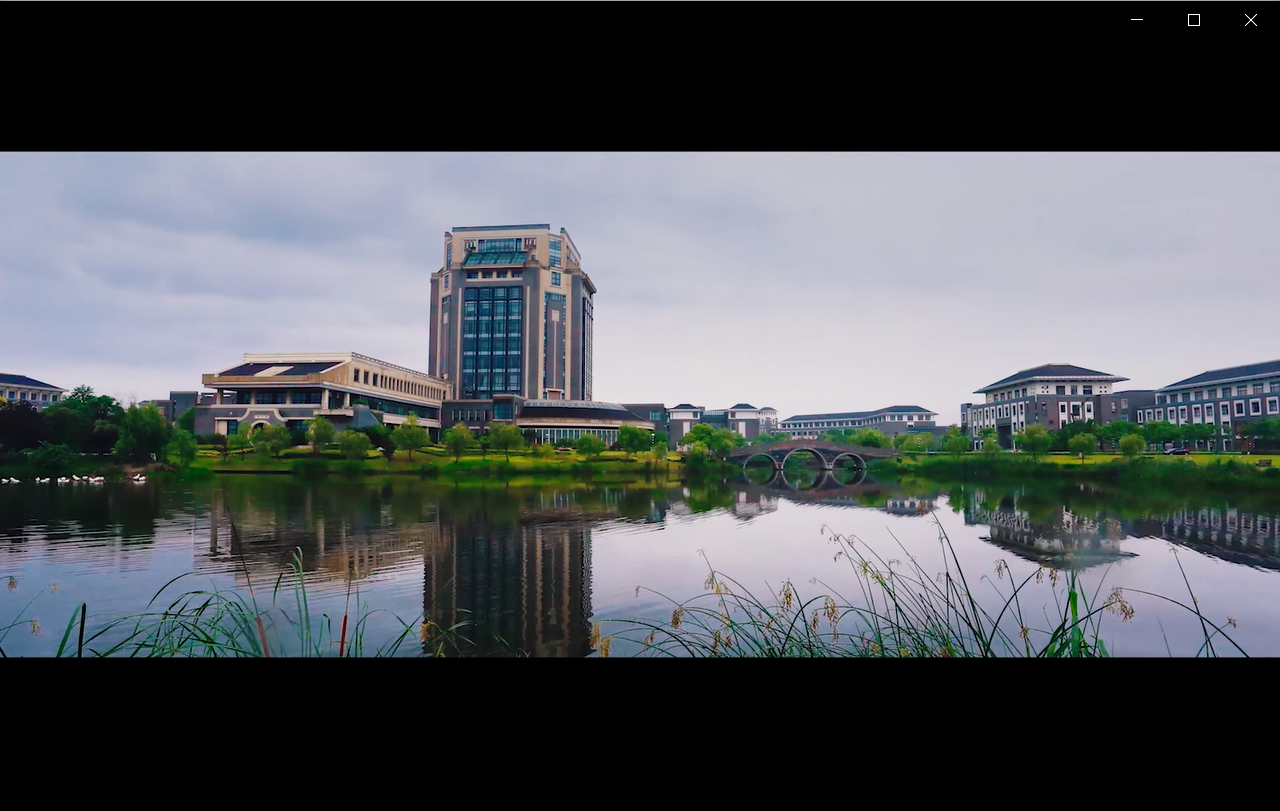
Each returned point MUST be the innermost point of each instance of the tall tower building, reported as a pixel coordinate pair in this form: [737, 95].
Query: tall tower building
[511, 313]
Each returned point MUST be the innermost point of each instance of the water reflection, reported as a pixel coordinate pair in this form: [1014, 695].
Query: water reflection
[516, 564]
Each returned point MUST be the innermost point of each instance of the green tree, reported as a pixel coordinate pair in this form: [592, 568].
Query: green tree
[633, 440]
[457, 439]
[183, 446]
[1132, 445]
[955, 441]
[1198, 432]
[1034, 439]
[590, 445]
[51, 460]
[660, 438]
[698, 433]
[900, 440]
[354, 444]
[506, 438]
[484, 442]
[919, 443]
[410, 436]
[870, 438]
[695, 458]
[187, 422]
[990, 441]
[143, 435]
[1082, 445]
[275, 439]
[240, 441]
[320, 432]
[530, 436]
[1161, 433]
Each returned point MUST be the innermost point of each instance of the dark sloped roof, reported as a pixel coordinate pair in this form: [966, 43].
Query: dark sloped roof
[1270, 367]
[682, 406]
[250, 369]
[768, 408]
[854, 415]
[1051, 370]
[23, 380]
[744, 405]
[577, 409]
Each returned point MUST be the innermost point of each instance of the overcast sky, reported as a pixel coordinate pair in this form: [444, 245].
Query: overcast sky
[807, 282]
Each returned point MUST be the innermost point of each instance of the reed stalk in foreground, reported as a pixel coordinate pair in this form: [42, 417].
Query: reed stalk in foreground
[903, 612]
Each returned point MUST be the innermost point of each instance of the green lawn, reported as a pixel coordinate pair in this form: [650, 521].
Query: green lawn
[1197, 458]
[376, 462]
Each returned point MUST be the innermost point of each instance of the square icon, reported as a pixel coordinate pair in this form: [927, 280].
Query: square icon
[1193, 20]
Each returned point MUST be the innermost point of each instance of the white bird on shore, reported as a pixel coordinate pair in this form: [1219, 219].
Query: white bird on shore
[15, 481]
[63, 480]
[4, 481]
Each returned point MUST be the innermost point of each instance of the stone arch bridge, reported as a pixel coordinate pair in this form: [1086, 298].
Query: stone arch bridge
[829, 454]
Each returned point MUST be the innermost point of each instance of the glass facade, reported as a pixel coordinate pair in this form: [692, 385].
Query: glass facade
[492, 341]
[499, 245]
[553, 343]
[555, 253]
[588, 344]
[448, 259]
[546, 436]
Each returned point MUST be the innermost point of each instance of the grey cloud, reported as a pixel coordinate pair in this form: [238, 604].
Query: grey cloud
[810, 281]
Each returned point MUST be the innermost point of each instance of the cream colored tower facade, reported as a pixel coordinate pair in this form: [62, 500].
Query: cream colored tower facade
[512, 312]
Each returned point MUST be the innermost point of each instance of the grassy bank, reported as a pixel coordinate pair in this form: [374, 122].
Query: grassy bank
[1216, 472]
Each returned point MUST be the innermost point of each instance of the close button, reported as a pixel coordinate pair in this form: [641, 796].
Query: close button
[1250, 21]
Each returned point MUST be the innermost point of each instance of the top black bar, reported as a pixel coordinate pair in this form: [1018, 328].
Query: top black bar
[1191, 21]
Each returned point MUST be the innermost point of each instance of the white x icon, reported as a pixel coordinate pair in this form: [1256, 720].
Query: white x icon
[1251, 21]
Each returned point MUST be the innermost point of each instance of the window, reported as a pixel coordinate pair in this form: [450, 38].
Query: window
[1240, 391]
[448, 260]
[1255, 407]
[1257, 388]
[1273, 405]
[555, 279]
[488, 274]
[1073, 390]
[1275, 388]
[366, 377]
[55, 398]
[355, 375]
[1195, 413]
[1139, 417]
[1159, 415]
[1239, 408]
[471, 274]
[446, 281]
[555, 254]
[232, 426]
[1208, 411]
[1159, 399]
[375, 381]
[1088, 390]
[1182, 413]
[1060, 389]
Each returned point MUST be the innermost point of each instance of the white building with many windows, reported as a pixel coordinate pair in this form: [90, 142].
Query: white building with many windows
[1225, 398]
[20, 388]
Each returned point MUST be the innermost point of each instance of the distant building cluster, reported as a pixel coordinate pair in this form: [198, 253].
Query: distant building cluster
[23, 389]
[1058, 394]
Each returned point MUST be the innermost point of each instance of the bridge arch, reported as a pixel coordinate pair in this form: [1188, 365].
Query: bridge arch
[761, 455]
[862, 463]
[814, 452]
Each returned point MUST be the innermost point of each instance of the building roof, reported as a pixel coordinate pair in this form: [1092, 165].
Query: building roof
[683, 406]
[494, 258]
[768, 408]
[1270, 367]
[1052, 371]
[851, 415]
[279, 369]
[23, 380]
[744, 405]
[578, 409]
[544, 226]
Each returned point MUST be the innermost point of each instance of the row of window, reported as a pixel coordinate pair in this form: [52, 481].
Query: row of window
[383, 381]
[1220, 393]
[1205, 413]
[492, 342]
[300, 397]
[490, 274]
[1065, 390]
[17, 395]
[855, 423]
[547, 436]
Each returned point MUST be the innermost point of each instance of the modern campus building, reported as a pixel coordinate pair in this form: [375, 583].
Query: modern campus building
[894, 420]
[1051, 395]
[350, 390]
[550, 420]
[743, 418]
[1225, 398]
[20, 388]
[511, 313]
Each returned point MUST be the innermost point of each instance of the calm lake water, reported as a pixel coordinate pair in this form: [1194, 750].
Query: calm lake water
[534, 566]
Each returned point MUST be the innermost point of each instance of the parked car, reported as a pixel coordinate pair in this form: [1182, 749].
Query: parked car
[1177, 452]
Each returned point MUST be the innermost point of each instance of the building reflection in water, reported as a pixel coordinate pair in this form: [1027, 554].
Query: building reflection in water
[1053, 532]
[1241, 537]
[520, 590]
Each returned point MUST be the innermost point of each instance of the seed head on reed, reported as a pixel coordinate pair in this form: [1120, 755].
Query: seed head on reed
[829, 608]
[35, 627]
[710, 582]
[1040, 575]
[676, 615]
[1000, 569]
[1023, 632]
[595, 635]
[425, 632]
[787, 594]
[13, 583]
[605, 644]
[813, 621]
[1232, 622]
[53, 588]
[648, 640]
[1054, 576]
